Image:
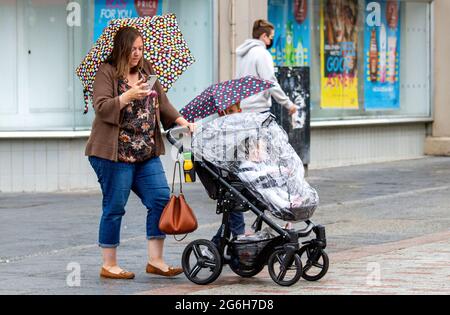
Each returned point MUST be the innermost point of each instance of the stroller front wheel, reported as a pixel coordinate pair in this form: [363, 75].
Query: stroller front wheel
[201, 261]
[281, 275]
[316, 262]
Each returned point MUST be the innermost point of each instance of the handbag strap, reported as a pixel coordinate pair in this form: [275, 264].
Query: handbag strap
[181, 180]
[180, 239]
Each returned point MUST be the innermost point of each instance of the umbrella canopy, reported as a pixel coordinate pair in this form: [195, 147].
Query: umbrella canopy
[164, 47]
[219, 97]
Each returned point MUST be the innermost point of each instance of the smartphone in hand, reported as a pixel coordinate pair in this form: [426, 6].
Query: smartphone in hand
[151, 80]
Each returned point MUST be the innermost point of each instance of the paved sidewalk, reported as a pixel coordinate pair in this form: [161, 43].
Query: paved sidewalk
[390, 217]
[415, 266]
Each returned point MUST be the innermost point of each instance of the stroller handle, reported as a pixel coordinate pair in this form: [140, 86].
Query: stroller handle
[174, 134]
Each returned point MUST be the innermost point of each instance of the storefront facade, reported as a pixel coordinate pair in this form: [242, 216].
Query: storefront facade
[43, 131]
[358, 114]
[383, 110]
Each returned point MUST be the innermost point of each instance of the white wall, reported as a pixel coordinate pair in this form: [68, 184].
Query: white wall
[44, 165]
[331, 147]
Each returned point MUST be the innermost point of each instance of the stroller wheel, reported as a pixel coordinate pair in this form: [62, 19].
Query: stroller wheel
[201, 262]
[284, 277]
[316, 262]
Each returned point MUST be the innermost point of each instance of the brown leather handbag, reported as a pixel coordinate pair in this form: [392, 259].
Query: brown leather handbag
[177, 217]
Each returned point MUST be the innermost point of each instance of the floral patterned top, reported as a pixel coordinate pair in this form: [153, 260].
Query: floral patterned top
[137, 128]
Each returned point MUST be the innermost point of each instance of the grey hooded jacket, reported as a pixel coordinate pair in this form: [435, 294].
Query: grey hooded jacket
[254, 59]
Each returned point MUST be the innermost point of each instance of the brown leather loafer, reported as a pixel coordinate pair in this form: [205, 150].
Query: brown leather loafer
[123, 275]
[170, 273]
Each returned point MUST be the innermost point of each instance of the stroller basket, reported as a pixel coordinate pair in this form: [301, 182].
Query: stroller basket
[246, 252]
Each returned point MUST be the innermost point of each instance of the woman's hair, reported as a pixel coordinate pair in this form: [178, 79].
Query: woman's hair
[120, 56]
[262, 27]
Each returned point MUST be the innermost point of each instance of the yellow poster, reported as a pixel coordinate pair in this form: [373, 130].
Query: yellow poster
[338, 46]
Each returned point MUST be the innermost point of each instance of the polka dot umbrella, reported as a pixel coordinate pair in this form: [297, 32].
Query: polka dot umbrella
[164, 47]
[219, 97]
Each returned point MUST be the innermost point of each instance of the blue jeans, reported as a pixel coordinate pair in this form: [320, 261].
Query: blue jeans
[237, 226]
[146, 179]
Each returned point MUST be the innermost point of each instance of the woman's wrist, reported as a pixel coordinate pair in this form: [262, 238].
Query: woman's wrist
[182, 122]
[125, 98]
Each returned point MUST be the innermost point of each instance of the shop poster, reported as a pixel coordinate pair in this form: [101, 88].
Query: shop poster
[106, 10]
[295, 83]
[291, 46]
[381, 55]
[338, 47]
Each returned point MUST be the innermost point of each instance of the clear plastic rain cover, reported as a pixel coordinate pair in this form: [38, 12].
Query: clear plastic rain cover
[256, 149]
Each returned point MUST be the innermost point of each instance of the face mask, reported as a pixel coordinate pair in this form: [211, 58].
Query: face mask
[270, 45]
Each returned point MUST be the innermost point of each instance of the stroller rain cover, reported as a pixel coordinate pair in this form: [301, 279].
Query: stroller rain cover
[256, 149]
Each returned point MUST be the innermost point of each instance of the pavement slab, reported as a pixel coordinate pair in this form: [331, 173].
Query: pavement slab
[388, 219]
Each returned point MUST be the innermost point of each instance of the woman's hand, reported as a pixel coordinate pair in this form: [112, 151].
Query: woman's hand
[138, 91]
[184, 123]
[292, 110]
[192, 127]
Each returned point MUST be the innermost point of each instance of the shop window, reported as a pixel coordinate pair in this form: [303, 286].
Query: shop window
[195, 18]
[368, 59]
[8, 59]
[39, 87]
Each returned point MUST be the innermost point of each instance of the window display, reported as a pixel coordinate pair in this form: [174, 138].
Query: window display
[41, 91]
[368, 59]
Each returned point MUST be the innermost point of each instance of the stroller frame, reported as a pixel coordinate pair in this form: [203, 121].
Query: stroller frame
[287, 241]
[284, 249]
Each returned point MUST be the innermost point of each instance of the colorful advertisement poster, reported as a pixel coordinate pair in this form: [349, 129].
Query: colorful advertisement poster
[338, 46]
[291, 46]
[106, 10]
[382, 55]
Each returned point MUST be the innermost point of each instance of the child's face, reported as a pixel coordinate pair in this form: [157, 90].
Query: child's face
[258, 151]
[234, 109]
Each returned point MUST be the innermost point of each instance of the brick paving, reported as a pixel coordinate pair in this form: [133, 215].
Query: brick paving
[396, 215]
[414, 266]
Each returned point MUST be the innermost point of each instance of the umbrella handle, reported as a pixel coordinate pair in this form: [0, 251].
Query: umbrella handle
[173, 136]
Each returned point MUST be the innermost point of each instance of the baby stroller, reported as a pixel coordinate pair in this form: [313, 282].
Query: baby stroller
[245, 162]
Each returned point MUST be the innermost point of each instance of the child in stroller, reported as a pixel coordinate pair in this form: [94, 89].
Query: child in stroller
[237, 224]
[245, 161]
[269, 179]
